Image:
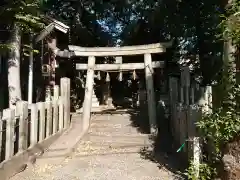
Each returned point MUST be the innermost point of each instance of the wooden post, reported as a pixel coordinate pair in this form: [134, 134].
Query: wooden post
[48, 93]
[55, 109]
[56, 92]
[87, 105]
[2, 87]
[65, 95]
[181, 94]
[41, 107]
[49, 119]
[173, 87]
[30, 73]
[1, 128]
[61, 117]
[196, 155]
[23, 125]
[203, 101]
[209, 99]
[150, 92]
[185, 84]
[192, 118]
[34, 125]
[55, 116]
[10, 121]
[192, 95]
[68, 104]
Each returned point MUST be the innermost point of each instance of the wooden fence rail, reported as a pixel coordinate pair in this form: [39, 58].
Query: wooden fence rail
[187, 103]
[27, 125]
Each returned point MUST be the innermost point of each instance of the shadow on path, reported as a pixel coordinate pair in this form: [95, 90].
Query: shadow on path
[162, 150]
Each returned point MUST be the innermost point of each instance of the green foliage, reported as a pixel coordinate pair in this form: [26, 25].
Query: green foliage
[84, 18]
[231, 24]
[223, 125]
[4, 48]
[220, 127]
[206, 172]
[27, 49]
[24, 12]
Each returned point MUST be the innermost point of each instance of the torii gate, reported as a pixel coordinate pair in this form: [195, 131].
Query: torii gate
[148, 65]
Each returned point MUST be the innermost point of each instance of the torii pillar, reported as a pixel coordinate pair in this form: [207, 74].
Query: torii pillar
[87, 104]
[150, 93]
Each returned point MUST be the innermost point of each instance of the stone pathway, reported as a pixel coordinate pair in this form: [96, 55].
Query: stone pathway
[109, 151]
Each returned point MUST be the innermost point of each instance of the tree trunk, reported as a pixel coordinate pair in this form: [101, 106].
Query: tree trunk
[14, 86]
[229, 60]
[2, 84]
[229, 64]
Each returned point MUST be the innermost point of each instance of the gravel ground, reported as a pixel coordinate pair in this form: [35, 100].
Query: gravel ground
[110, 151]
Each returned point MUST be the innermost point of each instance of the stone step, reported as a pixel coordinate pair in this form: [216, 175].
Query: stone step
[117, 131]
[117, 143]
[106, 149]
[95, 103]
[95, 100]
[117, 134]
[125, 134]
[105, 119]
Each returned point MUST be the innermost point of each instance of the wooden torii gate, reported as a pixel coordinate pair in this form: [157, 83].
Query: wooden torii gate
[118, 52]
